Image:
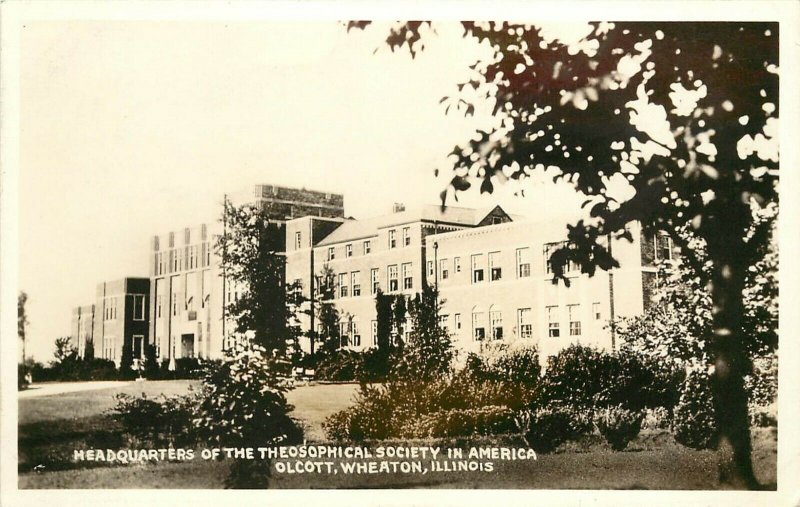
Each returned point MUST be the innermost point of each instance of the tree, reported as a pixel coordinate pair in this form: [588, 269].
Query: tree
[22, 320]
[249, 248]
[327, 313]
[65, 351]
[668, 124]
[429, 353]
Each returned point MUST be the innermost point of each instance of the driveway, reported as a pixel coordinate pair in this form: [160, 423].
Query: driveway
[50, 389]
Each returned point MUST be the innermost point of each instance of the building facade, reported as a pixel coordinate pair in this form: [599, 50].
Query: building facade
[189, 292]
[117, 321]
[491, 269]
[386, 253]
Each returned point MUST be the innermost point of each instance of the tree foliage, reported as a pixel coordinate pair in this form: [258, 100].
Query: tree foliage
[327, 313]
[249, 248]
[428, 353]
[670, 124]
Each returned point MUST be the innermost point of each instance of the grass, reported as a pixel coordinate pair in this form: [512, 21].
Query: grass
[51, 427]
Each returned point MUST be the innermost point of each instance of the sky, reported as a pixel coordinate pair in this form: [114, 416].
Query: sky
[130, 128]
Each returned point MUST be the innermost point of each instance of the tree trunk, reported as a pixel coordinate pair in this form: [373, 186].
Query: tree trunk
[731, 364]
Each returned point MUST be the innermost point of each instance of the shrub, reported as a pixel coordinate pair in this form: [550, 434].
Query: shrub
[243, 404]
[658, 418]
[762, 417]
[693, 419]
[369, 418]
[619, 425]
[339, 366]
[157, 421]
[762, 384]
[585, 378]
[505, 365]
[547, 428]
[488, 420]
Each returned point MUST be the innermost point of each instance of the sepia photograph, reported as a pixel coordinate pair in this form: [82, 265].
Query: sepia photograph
[347, 249]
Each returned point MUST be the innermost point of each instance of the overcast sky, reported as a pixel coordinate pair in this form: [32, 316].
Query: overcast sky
[132, 128]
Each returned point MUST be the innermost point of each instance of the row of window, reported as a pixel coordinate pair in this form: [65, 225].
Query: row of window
[190, 302]
[350, 333]
[110, 306]
[180, 259]
[366, 245]
[349, 284]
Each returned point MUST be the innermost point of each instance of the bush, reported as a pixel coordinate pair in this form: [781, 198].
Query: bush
[504, 365]
[547, 428]
[158, 421]
[243, 402]
[369, 418]
[619, 425]
[693, 419]
[244, 405]
[585, 378]
[339, 366]
[762, 417]
[488, 420]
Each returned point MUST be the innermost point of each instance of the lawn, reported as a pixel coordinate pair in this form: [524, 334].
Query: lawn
[50, 427]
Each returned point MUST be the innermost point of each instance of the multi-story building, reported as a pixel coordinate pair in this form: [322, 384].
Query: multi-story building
[186, 294]
[496, 284]
[386, 253]
[491, 269]
[189, 291]
[117, 321]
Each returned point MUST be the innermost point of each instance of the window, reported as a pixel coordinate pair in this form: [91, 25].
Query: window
[208, 254]
[344, 334]
[478, 331]
[348, 250]
[355, 280]
[406, 236]
[356, 340]
[138, 307]
[524, 323]
[443, 269]
[596, 311]
[392, 238]
[159, 302]
[331, 253]
[430, 268]
[393, 286]
[495, 271]
[298, 240]
[549, 248]
[443, 321]
[408, 281]
[523, 262]
[457, 264]
[374, 332]
[367, 247]
[477, 268]
[552, 322]
[574, 320]
[373, 279]
[496, 323]
[138, 346]
[663, 247]
[174, 300]
[457, 321]
[342, 285]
